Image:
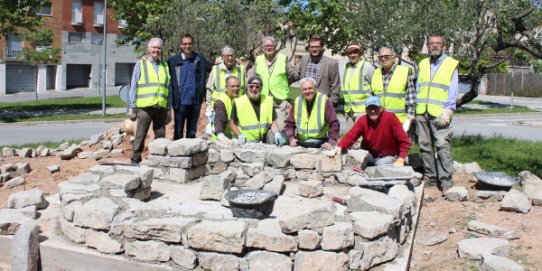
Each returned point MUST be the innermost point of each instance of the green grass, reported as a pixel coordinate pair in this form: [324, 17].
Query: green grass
[63, 117]
[48, 144]
[497, 153]
[491, 108]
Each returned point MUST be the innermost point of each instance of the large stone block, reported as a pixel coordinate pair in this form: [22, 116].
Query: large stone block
[309, 218]
[362, 199]
[532, 187]
[27, 198]
[227, 156]
[516, 201]
[268, 235]
[496, 263]
[356, 158]
[405, 196]
[320, 260]
[475, 248]
[25, 247]
[492, 230]
[144, 173]
[11, 220]
[330, 164]
[308, 239]
[218, 262]
[124, 181]
[14, 182]
[163, 229]
[371, 224]
[159, 146]
[304, 161]
[184, 257]
[219, 236]
[96, 214]
[74, 233]
[186, 147]
[180, 175]
[265, 261]
[212, 188]
[311, 189]
[148, 250]
[250, 155]
[373, 253]
[102, 242]
[276, 185]
[338, 236]
[251, 169]
[281, 157]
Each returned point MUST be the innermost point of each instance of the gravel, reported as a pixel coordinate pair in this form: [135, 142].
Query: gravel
[251, 197]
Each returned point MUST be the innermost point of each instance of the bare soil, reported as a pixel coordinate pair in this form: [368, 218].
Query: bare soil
[437, 214]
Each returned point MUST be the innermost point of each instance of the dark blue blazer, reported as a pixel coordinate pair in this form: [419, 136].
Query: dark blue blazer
[202, 69]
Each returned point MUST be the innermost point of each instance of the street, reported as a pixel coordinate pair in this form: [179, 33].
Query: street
[527, 126]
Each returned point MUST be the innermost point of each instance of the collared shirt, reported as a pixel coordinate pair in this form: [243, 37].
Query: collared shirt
[135, 77]
[410, 98]
[330, 117]
[211, 79]
[313, 69]
[454, 84]
[188, 80]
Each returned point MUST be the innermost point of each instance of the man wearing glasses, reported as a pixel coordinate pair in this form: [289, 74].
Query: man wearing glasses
[356, 83]
[253, 118]
[276, 74]
[223, 108]
[395, 86]
[188, 71]
[436, 94]
[324, 70]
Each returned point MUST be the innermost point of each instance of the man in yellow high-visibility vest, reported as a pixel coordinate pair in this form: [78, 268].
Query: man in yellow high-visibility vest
[356, 83]
[223, 107]
[395, 86]
[436, 96]
[150, 100]
[276, 73]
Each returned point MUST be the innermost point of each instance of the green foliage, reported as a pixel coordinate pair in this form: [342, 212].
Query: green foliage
[15, 14]
[40, 52]
[141, 17]
[537, 65]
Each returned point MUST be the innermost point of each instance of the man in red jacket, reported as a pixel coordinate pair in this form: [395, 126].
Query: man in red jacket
[383, 136]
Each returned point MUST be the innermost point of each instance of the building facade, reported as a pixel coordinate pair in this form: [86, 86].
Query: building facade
[78, 29]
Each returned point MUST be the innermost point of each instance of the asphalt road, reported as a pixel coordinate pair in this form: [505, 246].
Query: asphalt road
[527, 126]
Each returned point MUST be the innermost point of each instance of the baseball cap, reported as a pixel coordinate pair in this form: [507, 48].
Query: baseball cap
[353, 46]
[372, 100]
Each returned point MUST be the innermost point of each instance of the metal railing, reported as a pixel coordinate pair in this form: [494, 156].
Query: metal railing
[11, 53]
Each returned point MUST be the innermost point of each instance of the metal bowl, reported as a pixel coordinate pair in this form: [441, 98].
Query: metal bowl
[495, 178]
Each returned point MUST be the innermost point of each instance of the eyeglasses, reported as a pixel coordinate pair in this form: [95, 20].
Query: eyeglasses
[437, 43]
[385, 57]
[269, 46]
[254, 86]
[186, 43]
[227, 56]
[315, 47]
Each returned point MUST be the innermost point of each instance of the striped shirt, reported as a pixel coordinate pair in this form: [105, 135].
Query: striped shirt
[135, 78]
[410, 98]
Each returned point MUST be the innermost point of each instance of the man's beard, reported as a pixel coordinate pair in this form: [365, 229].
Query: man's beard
[436, 53]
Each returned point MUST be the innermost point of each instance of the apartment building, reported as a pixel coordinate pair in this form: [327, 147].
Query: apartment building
[78, 29]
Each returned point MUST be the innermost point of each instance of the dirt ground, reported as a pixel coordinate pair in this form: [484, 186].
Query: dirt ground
[437, 214]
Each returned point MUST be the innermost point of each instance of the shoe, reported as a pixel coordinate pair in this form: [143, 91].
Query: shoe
[444, 190]
[429, 181]
[134, 163]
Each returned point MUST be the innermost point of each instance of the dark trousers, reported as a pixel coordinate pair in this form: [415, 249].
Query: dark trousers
[146, 115]
[186, 114]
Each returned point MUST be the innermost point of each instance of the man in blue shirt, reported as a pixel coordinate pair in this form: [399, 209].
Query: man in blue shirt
[188, 71]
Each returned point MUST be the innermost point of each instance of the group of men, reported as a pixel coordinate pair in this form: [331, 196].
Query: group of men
[379, 104]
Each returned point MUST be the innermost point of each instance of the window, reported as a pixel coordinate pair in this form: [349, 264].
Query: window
[77, 15]
[75, 37]
[122, 24]
[122, 40]
[46, 10]
[14, 45]
[98, 13]
[97, 38]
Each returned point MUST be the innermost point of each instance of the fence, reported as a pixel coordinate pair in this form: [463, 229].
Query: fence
[525, 85]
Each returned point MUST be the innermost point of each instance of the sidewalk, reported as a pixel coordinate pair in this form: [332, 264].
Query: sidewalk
[51, 94]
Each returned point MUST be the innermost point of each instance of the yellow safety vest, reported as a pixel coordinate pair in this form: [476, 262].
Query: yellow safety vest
[433, 92]
[313, 126]
[275, 78]
[228, 103]
[392, 98]
[220, 76]
[152, 87]
[249, 125]
[355, 89]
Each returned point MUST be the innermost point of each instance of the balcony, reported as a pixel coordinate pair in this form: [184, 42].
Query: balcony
[77, 17]
[11, 53]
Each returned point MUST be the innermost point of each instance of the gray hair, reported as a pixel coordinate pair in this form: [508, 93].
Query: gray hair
[227, 48]
[307, 79]
[229, 78]
[266, 38]
[155, 40]
[386, 47]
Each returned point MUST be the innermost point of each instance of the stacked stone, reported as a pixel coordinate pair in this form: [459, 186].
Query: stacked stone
[11, 175]
[179, 161]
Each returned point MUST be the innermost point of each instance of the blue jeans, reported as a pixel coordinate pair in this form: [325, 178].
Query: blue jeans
[186, 114]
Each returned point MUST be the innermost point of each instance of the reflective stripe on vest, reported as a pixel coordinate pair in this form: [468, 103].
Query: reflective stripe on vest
[152, 87]
[227, 101]
[249, 125]
[354, 88]
[275, 78]
[433, 91]
[220, 79]
[313, 126]
[393, 97]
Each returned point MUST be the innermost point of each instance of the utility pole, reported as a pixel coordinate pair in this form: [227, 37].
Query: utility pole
[104, 55]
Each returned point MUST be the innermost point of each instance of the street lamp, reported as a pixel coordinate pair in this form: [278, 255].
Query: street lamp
[104, 55]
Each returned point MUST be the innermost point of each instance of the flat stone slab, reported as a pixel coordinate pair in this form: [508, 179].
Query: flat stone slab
[475, 248]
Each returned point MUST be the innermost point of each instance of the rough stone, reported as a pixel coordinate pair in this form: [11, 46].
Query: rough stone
[250, 155]
[265, 261]
[309, 218]
[148, 250]
[116, 140]
[85, 154]
[180, 175]
[371, 224]
[457, 193]
[251, 169]
[163, 229]
[144, 173]
[159, 146]
[516, 201]
[303, 161]
[102, 242]
[532, 187]
[44, 152]
[95, 139]
[53, 168]
[492, 230]
[102, 170]
[259, 180]
[25, 153]
[8, 152]
[186, 147]
[405, 196]
[373, 253]
[184, 257]
[100, 154]
[276, 185]
[475, 248]
[320, 260]
[281, 157]
[14, 182]
[227, 156]
[96, 213]
[142, 194]
[311, 189]
[106, 144]
[338, 236]
[356, 158]
[166, 161]
[23, 168]
[223, 236]
[29, 211]
[70, 153]
[330, 164]
[214, 156]
[485, 195]
[308, 239]
[497, 263]
[116, 153]
[362, 199]
[26, 198]
[11, 220]
[125, 181]
[8, 168]
[68, 210]
[212, 187]
[268, 235]
[216, 261]
[472, 167]
[25, 247]
[75, 234]
[432, 238]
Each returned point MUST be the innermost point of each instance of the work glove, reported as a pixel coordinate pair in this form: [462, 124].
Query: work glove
[210, 115]
[399, 162]
[333, 152]
[168, 116]
[132, 114]
[241, 139]
[444, 119]
[406, 125]
[224, 139]
[279, 139]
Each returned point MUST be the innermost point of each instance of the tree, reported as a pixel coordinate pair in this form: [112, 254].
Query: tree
[40, 50]
[15, 14]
